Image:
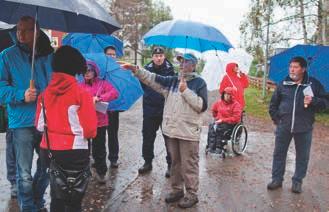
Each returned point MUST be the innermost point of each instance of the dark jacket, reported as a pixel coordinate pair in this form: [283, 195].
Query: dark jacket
[153, 102]
[287, 104]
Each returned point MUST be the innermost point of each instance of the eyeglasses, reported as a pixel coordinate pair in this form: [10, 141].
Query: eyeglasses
[24, 31]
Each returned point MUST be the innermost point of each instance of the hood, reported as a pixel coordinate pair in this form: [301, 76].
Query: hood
[230, 69]
[229, 90]
[43, 47]
[93, 66]
[60, 83]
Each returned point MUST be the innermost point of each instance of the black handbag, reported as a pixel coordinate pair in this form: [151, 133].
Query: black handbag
[69, 185]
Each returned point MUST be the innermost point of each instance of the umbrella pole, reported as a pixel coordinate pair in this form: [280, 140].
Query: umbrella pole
[32, 84]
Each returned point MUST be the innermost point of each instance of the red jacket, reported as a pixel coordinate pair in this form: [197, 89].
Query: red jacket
[231, 79]
[70, 112]
[227, 112]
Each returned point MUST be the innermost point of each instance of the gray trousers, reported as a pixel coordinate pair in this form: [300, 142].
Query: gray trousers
[185, 165]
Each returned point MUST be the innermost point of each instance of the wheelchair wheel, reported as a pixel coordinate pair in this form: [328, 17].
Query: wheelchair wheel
[239, 139]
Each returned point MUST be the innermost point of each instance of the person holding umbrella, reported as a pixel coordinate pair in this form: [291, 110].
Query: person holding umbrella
[153, 104]
[15, 70]
[185, 101]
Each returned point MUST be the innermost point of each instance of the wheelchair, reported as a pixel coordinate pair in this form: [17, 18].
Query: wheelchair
[233, 140]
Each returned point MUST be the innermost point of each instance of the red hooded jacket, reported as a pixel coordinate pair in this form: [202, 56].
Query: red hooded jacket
[70, 112]
[231, 79]
[228, 112]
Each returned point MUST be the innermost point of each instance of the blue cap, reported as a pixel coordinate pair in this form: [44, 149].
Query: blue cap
[188, 56]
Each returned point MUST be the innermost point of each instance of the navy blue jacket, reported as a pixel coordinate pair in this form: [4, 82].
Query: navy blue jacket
[287, 104]
[153, 102]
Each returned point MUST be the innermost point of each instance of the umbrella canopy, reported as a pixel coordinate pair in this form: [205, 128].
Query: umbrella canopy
[62, 15]
[128, 86]
[93, 43]
[187, 34]
[4, 25]
[316, 57]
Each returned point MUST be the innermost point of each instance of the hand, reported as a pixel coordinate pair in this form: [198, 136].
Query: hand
[95, 99]
[30, 95]
[219, 121]
[125, 65]
[307, 101]
[182, 85]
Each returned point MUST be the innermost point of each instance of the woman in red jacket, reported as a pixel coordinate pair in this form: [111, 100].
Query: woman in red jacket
[236, 79]
[71, 120]
[227, 113]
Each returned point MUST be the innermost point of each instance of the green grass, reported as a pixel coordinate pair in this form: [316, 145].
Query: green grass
[258, 107]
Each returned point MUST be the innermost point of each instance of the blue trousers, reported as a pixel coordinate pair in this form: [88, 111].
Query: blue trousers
[303, 142]
[10, 158]
[30, 189]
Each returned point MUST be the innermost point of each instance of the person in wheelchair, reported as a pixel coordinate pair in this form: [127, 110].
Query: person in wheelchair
[227, 112]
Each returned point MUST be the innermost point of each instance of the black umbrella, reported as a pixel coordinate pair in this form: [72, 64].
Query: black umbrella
[67, 16]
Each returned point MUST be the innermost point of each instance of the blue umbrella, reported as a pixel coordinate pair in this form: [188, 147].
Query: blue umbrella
[187, 34]
[93, 43]
[63, 15]
[316, 57]
[128, 86]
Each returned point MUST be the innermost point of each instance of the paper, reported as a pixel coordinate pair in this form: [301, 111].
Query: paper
[308, 92]
[102, 107]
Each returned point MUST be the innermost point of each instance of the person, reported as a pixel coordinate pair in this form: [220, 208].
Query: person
[153, 104]
[102, 91]
[185, 101]
[15, 70]
[236, 79]
[71, 120]
[113, 126]
[227, 113]
[292, 112]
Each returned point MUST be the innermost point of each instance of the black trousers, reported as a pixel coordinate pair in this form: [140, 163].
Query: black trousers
[150, 128]
[70, 160]
[112, 131]
[215, 136]
[99, 150]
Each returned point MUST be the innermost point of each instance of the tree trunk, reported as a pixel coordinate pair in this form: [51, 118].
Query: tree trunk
[325, 22]
[302, 16]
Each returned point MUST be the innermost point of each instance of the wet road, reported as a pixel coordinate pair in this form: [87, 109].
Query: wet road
[233, 184]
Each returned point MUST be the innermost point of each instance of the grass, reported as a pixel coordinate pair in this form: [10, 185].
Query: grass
[258, 107]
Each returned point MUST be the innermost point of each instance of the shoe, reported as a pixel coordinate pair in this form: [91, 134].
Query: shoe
[147, 167]
[188, 201]
[167, 175]
[296, 187]
[274, 185]
[114, 165]
[13, 191]
[43, 210]
[100, 178]
[174, 196]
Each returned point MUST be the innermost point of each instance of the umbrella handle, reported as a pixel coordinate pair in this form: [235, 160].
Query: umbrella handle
[32, 85]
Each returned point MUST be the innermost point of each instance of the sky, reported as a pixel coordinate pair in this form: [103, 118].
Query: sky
[225, 15]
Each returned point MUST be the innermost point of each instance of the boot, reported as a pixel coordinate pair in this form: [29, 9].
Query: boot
[274, 185]
[147, 167]
[174, 196]
[188, 201]
[296, 187]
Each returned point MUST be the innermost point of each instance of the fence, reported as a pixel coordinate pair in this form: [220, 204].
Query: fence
[258, 83]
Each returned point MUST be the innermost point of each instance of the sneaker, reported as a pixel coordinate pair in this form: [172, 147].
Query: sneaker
[147, 167]
[296, 187]
[174, 196]
[13, 191]
[274, 185]
[188, 201]
[100, 178]
[114, 165]
[167, 175]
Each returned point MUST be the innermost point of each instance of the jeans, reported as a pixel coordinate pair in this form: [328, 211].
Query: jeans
[112, 131]
[10, 158]
[99, 150]
[150, 128]
[30, 190]
[303, 142]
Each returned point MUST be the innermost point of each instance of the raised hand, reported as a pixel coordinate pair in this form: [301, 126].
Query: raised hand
[182, 84]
